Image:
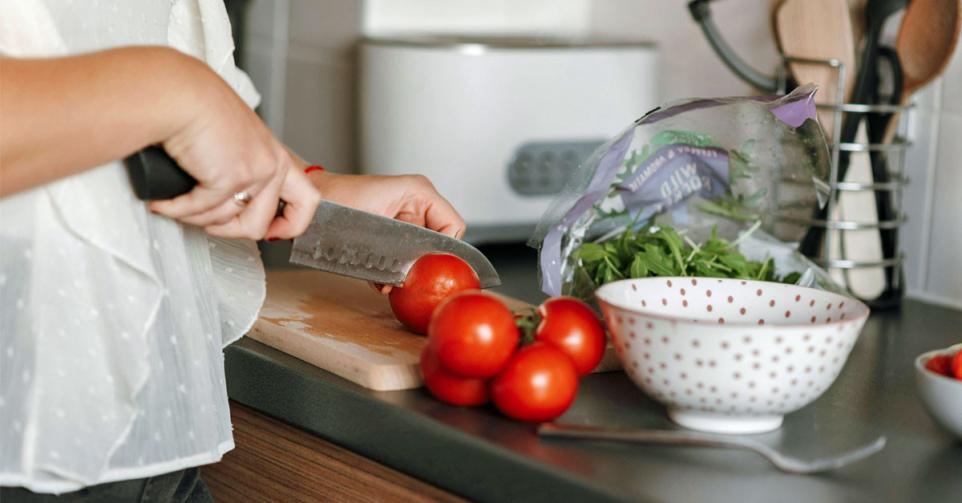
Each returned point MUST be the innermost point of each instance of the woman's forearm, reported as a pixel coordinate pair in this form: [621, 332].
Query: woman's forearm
[60, 116]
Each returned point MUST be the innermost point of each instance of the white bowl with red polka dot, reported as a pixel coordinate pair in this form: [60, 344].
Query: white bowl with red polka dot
[727, 355]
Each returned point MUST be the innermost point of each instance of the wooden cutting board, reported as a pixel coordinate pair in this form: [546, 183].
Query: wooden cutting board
[344, 327]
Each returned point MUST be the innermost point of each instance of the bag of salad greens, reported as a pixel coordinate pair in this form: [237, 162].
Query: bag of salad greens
[704, 187]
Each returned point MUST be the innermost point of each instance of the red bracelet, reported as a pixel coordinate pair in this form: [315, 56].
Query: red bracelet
[315, 167]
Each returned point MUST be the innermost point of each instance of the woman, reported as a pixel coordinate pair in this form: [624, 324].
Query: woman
[113, 313]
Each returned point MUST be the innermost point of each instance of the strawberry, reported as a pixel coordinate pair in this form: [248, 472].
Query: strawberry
[940, 364]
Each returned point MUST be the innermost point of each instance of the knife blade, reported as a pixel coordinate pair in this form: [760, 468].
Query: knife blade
[339, 239]
[362, 245]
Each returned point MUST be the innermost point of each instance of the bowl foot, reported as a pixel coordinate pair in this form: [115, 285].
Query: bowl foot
[723, 423]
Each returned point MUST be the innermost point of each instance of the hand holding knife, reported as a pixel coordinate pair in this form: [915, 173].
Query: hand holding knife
[339, 239]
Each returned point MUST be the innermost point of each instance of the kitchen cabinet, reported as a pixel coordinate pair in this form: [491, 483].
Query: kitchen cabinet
[273, 461]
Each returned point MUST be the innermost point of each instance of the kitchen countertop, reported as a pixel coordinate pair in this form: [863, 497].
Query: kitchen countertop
[481, 455]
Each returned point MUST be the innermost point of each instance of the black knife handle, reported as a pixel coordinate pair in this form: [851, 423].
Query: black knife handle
[155, 175]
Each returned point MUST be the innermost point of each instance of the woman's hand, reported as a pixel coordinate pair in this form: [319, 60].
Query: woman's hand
[227, 148]
[411, 198]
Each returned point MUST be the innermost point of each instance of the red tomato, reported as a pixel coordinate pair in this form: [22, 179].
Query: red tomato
[572, 327]
[473, 334]
[940, 364]
[957, 365]
[432, 279]
[538, 384]
[448, 387]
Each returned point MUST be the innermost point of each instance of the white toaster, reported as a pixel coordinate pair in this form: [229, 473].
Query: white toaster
[497, 123]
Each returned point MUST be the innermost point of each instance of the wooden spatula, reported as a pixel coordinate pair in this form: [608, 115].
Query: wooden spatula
[818, 29]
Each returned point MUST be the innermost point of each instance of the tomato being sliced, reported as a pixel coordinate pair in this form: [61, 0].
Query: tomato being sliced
[574, 328]
[432, 279]
[449, 388]
[473, 334]
[538, 384]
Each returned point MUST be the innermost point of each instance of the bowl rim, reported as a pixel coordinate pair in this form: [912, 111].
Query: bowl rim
[863, 309]
[926, 356]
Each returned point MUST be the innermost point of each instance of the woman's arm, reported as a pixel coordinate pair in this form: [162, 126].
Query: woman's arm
[60, 116]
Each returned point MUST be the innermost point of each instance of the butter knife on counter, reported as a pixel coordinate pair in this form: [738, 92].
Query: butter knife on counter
[339, 239]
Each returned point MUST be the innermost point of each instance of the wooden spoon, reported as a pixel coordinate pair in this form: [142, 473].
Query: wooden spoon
[927, 38]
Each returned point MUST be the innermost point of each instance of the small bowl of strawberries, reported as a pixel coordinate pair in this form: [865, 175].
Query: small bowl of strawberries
[938, 376]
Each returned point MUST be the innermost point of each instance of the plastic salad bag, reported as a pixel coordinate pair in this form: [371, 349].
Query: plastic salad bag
[704, 187]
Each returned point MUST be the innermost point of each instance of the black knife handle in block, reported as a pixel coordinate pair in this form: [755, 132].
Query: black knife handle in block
[155, 175]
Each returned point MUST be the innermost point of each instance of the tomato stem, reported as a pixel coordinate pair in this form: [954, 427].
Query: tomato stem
[528, 325]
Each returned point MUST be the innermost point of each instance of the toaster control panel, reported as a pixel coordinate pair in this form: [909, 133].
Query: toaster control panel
[543, 168]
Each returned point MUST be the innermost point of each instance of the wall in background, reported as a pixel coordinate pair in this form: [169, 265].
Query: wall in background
[690, 66]
[300, 54]
[933, 234]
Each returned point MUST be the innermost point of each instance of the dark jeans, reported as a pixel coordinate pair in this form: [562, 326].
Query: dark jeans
[184, 486]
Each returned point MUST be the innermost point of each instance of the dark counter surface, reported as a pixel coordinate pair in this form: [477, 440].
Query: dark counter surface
[481, 455]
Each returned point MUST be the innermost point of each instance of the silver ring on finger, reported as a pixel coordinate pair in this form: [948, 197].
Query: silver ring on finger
[243, 198]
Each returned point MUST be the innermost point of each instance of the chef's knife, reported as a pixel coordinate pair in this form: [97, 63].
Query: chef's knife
[339, 239]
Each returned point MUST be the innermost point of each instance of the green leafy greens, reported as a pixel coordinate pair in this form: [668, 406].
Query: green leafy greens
[658, 250]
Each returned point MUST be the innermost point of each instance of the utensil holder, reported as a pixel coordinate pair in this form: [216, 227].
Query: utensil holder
[834, 228]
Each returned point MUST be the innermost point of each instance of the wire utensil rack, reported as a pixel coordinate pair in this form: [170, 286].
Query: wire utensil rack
[838, 231]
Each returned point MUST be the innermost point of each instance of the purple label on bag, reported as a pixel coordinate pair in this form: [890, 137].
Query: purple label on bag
[672, 174]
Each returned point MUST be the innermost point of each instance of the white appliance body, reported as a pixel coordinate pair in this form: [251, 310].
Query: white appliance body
[497, 127]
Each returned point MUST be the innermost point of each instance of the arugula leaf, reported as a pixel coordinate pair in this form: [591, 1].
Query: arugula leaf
[591, 252]
[638, 267]
[674, 244]
[658, 261]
